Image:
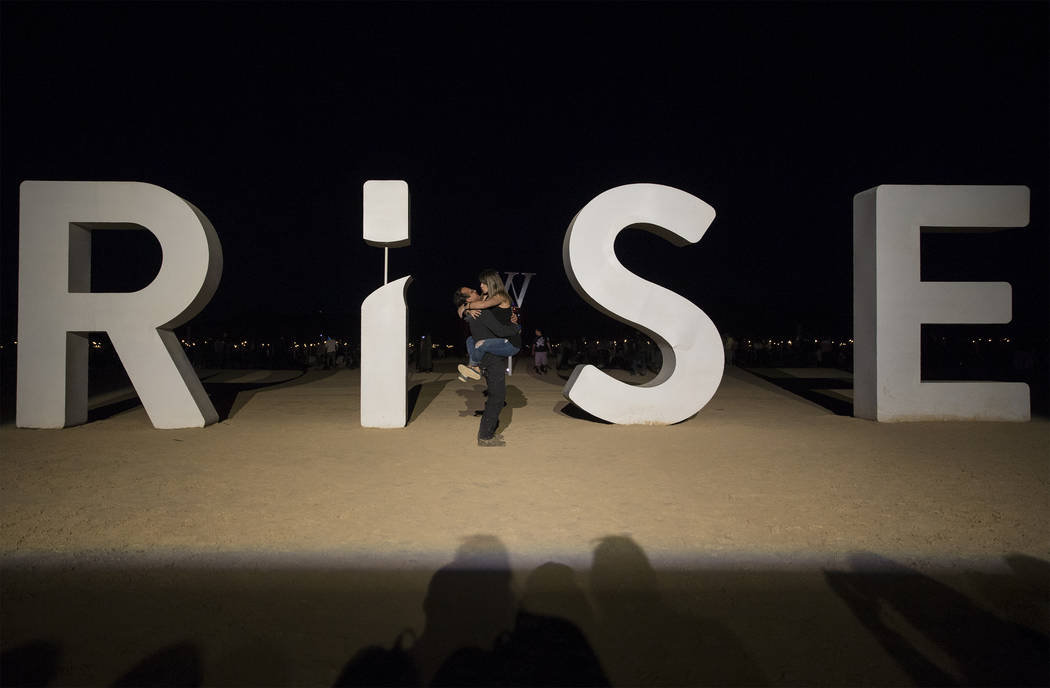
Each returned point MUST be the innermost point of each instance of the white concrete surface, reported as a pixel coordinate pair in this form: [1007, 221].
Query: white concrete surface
[693, 357]
[890, 302]
[385, 219]
[56, 309]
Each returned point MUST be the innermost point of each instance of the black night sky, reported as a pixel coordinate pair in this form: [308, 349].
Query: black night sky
[505, 119]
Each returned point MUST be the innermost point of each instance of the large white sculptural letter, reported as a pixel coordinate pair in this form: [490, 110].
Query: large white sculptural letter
[384, 313]
[56, 309]
[693, 358]
[512, 289]
[890, 302]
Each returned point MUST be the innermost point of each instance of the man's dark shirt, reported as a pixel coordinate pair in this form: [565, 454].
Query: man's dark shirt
[487, 326]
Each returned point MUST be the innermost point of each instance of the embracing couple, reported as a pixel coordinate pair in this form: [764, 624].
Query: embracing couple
[494, 335]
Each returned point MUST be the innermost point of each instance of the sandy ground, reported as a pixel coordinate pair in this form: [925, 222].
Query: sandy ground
[767, 540]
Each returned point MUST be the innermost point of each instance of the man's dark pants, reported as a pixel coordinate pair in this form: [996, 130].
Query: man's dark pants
[494, 368]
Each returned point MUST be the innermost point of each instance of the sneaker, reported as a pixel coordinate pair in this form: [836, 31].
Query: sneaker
[494, 441]
[467, 371]
[461, 378]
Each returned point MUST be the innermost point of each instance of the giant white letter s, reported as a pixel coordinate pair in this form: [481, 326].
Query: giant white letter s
[693, 357]
[56, 308]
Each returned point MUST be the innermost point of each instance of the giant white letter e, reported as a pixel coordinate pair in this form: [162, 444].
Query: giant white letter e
[56, 308]
[891, 302]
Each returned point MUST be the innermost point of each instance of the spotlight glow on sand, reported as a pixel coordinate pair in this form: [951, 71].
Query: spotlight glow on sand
[766, 522]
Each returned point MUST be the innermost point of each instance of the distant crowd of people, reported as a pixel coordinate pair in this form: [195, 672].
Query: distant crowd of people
[637, 354]
[802, 352]
[224, 351]
[943, 357]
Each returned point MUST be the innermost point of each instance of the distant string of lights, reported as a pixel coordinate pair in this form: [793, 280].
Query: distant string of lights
[295, 344]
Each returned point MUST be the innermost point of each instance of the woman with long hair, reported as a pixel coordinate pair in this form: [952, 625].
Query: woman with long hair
[497, 300]
[493, 290]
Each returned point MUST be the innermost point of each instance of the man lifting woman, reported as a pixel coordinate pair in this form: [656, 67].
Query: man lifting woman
[494, 335]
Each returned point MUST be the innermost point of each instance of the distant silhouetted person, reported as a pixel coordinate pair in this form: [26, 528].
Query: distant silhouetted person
[539, 353]
[637, 354]
[424, 358]
[221, 346]
[331, 349]
[730, 350]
